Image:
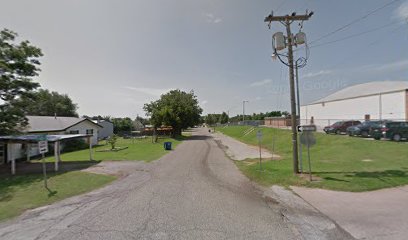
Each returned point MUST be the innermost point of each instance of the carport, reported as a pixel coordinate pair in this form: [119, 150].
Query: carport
[27, 140]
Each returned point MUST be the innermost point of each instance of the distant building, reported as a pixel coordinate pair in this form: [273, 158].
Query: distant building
[107, 129]
[277, 122]
[367, 101]
[138, 125]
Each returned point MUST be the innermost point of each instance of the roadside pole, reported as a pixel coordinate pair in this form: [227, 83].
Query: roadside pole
[259, 137]
[43, 148]
[298, 115]
[273, 145]
[310, 166]
[44, 167]
[290, 42]
[307, 138]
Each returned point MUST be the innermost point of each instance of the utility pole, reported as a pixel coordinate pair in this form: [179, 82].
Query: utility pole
[243, 111]
[299, 120]
[286, 21]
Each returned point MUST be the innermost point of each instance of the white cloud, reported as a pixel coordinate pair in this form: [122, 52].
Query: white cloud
[394, 66]
[400, 65]
[211, 18]
[149, 91]
[317, 74]
[402, 11]
[261, 83]
[204, 102]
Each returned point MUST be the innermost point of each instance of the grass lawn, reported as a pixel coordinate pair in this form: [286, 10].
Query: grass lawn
[19, 193]
[343, 163]
[138, 149]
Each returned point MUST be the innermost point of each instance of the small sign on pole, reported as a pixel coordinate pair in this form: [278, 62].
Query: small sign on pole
[43, 148]
[307, 138]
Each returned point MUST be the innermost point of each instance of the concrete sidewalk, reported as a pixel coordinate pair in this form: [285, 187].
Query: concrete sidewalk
[381, 214]
[237, 150]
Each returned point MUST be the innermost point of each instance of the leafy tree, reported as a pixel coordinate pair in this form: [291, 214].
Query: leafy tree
[46, 103]
[224, 118]
[121, 125]
[143, 121]
[99, 117]
[258, 116]
[18, 65]
[210, 119]
[176, 108]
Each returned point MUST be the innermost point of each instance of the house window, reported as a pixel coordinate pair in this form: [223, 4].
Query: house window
[89, 131]
[74, 132]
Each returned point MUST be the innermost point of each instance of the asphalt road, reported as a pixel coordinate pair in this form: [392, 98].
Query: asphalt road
[194, 192]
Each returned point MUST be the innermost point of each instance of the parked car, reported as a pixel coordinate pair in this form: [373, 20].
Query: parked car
[395, 131]
[365, 129]
[340, 127]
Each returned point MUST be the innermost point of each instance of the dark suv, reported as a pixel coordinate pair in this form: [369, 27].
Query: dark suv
[365, 129]
[340, 127]
[395, 131]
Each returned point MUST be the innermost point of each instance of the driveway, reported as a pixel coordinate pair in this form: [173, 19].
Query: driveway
[381, 214]
[194, 192]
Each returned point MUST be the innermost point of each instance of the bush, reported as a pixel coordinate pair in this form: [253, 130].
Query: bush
[112, 140]
[74, 145]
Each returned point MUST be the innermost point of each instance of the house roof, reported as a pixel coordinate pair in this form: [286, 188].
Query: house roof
[51, 123]
[365, 89]
[36, 138]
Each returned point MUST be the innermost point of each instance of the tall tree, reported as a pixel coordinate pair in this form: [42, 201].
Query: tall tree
[122, 125]
[176, 108]
[18, 65]
[224, 118]
[46, 103]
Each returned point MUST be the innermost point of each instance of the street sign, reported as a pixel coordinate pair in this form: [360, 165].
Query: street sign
[259, 135]
[306, 128]
[308, 139]
[43, 146]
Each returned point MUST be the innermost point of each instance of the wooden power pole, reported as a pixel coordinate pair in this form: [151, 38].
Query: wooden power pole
[286, 21]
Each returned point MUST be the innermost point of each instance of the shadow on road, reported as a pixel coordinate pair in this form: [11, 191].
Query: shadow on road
[198, 137]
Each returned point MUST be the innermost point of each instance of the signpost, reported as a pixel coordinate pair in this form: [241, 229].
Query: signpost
[307, 138]
[43, 148]
[259, 137]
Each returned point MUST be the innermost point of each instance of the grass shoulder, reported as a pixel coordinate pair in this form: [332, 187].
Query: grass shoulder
[133, 149]
[338, 162]
[23, 192]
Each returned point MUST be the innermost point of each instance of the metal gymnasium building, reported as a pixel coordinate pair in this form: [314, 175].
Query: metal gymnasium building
[368, 101]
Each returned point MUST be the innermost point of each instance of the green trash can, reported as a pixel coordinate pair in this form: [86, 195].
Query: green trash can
[167, 145]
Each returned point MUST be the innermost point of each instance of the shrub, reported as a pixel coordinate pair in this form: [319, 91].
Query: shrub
[74, 145]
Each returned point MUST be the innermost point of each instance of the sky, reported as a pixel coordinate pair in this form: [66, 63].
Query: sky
[111, 57]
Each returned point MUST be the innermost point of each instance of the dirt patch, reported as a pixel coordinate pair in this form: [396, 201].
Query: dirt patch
[118, 168]
[306, 176]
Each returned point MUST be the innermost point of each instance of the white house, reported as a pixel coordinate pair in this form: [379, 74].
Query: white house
[107, 129]
[367, 101]
[50, 126]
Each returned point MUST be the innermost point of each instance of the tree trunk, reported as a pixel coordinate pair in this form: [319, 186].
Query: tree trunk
[176, 132]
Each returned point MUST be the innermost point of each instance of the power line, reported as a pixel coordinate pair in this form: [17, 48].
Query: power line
[354, 21]
[378, 40]
[355, 35]
[281, 5]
